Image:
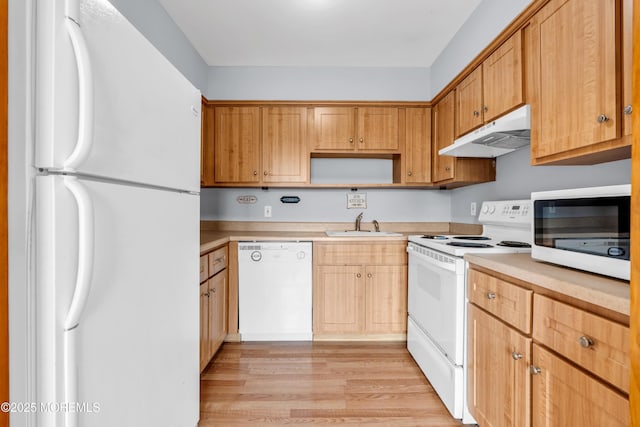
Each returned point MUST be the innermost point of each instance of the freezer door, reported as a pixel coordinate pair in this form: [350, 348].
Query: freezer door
[138, 341]
[146, 114]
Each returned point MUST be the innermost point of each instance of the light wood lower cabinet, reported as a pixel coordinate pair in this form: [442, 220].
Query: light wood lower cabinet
[359, 290]
[563, 395]
[213, 303]
[498, 382]
[576, 372]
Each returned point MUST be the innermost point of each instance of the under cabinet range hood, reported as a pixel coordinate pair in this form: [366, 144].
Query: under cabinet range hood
[501, 136]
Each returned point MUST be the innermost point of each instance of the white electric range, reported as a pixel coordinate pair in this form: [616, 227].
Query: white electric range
[436, 327]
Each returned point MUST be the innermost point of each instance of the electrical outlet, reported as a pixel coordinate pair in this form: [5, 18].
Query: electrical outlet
[472, 209]
[267, 211]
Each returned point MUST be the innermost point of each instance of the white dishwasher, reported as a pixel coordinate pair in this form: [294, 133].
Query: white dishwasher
[275, 293]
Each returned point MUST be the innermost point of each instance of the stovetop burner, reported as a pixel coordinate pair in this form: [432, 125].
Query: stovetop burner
[434, 237]
[470, 245]
[472, 238]
[514, 244]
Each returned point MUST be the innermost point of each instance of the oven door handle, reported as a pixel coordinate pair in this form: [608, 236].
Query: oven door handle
[436, 259]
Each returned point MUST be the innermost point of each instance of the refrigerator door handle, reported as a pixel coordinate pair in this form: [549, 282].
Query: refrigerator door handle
[85, 94]
[80, 293]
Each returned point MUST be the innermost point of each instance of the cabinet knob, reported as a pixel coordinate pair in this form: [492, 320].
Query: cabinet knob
[476, 113]
[534, 370]
[255, 173]
[350, 140]
[409, 173]
[585, 342]
[206, 294]
[361, 140]
[213, 290]
[448, 168]
[485, 108]
[266, 173]
[358, 275]
[602, 118]
[491, 295]
[516, 356]
[628, 110]
[369, 275]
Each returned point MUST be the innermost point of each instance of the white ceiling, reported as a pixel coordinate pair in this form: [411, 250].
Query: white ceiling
[338, 33]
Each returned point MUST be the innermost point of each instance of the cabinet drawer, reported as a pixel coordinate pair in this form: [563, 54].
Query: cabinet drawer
[217, 260]
[204, 268]
[360, 253]
[507, 301]
[595, 343]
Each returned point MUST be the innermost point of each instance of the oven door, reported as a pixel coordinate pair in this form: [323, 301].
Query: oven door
[436, 298]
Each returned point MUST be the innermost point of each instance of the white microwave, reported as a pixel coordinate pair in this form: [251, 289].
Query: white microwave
[584, 228]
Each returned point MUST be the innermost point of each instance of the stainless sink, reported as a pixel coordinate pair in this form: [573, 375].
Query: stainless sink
[362, 233]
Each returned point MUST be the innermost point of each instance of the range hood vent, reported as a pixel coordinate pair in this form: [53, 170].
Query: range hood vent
[504, 135]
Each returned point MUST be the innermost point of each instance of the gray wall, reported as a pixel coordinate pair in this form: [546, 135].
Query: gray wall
[326, 205]
[150, 18]
[516, 179]
[319, 83]
[485, 23]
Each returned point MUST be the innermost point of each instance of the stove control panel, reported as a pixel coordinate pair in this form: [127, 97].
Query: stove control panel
[506, 212]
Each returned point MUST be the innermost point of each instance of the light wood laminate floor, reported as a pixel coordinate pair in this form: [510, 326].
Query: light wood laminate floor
[337, 383]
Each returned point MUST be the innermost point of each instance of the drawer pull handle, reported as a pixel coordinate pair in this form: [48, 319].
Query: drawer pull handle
[585, 342]
[516, 356]
[358, 275]
[491, 295]
[534, 370]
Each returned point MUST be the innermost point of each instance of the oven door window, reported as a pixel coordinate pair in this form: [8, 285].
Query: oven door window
[436, 304]
[595, 226]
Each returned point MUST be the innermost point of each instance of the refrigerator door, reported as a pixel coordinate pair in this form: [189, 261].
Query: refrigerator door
[137, 338]
[141, 114]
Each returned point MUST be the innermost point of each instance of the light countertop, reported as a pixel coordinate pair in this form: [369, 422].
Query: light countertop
[611, 294]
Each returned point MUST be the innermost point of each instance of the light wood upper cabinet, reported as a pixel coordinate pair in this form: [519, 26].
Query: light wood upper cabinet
[502, 79]
[207, 146]
[346, 129]
[499, 380]
[492, 89]
[443, 136]
[563, 395]
[469, 103]
[334, 128]
[574, 82]
[285, 157]
[417, 151]
[627, 56]
[237, 145]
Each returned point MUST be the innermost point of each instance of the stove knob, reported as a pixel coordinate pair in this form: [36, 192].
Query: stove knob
[492, 209]
[485, 209]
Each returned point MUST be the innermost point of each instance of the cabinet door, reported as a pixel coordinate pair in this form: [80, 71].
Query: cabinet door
[566, 396]
[378, 129]
[217, 313]
[627, 72]
[386, 299]
[443, 129]
[334, 128]
[575, 99]
[284, 144]
[418, 146]
[237, 144]
[502, 79]
[338, 303]
[207, 146]
[204, 325]
[469, 102]
[499, 382]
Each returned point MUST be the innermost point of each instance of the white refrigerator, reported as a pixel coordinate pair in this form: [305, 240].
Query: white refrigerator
[114, 226]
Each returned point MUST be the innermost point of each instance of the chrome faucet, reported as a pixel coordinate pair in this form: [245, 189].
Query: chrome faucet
[376, 225]
[358, 220]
